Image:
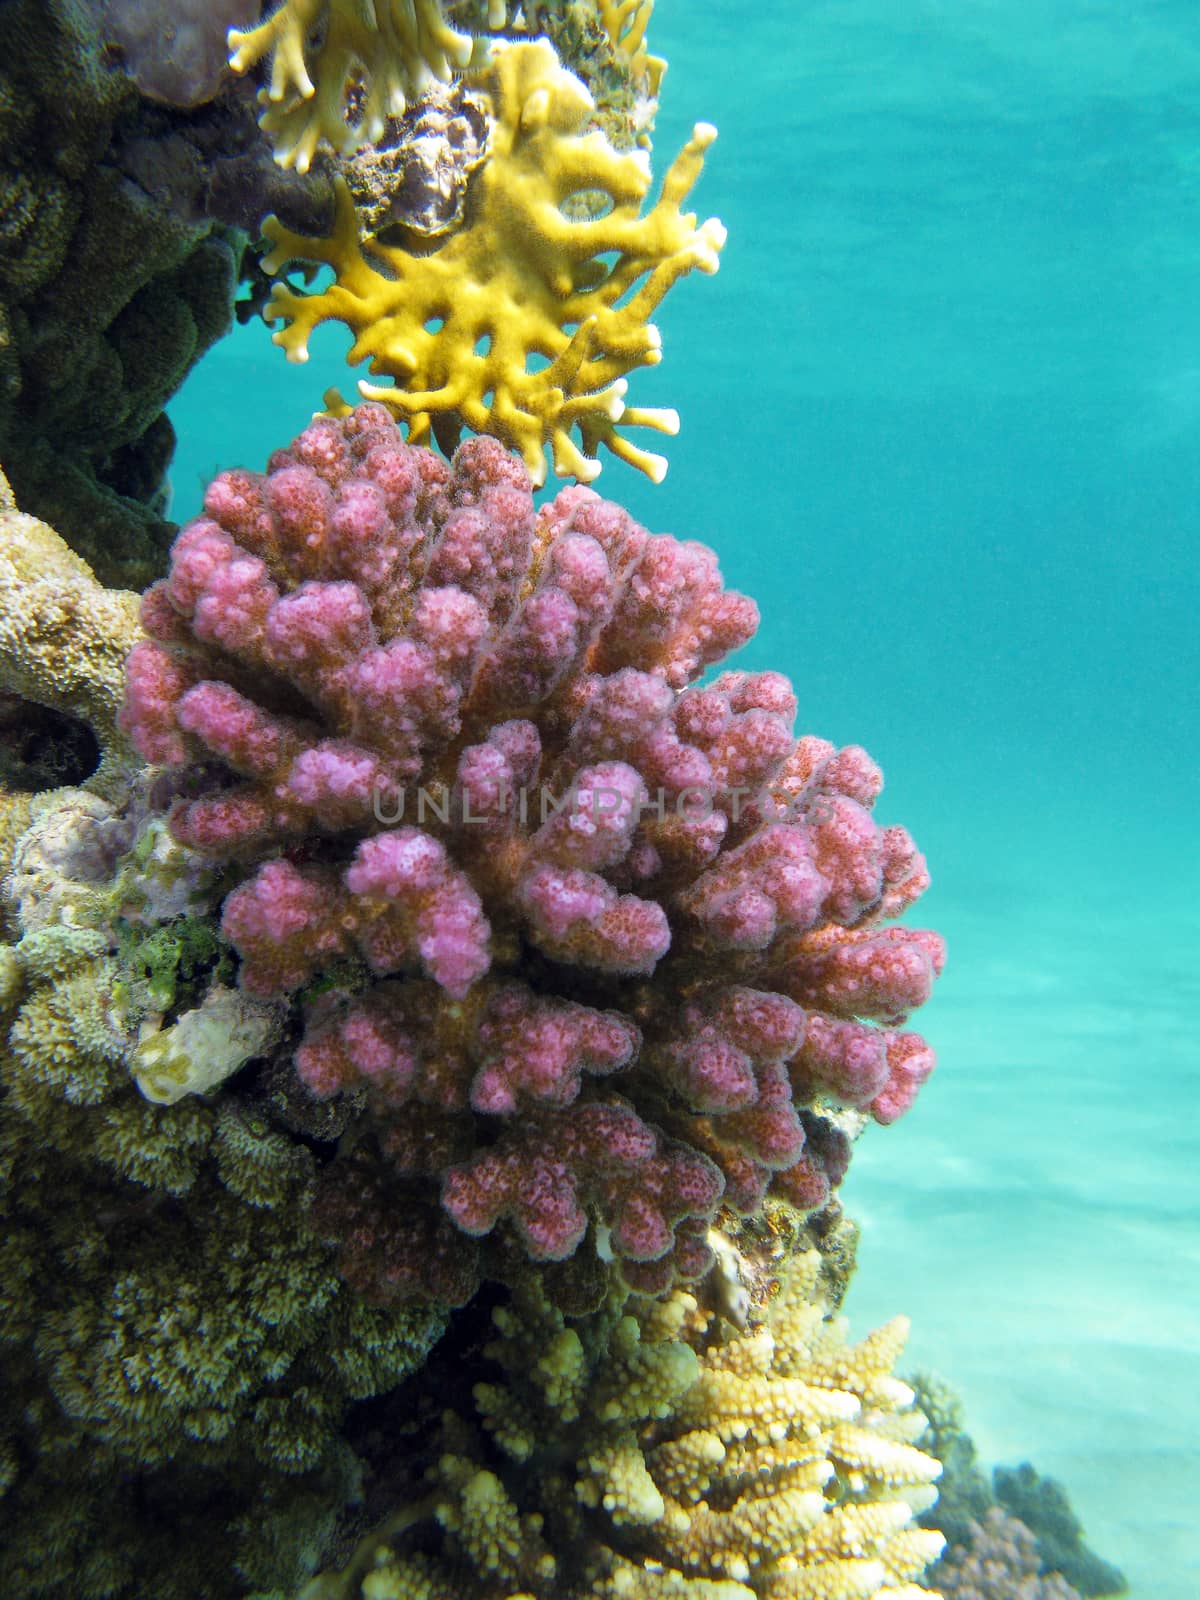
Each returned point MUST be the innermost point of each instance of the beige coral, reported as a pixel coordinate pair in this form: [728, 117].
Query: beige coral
[64, 637]
[519, 325]
[654, 1450]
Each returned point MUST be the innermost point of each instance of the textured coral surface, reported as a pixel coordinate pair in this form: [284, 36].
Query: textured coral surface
[596, 945]
[652, 1450]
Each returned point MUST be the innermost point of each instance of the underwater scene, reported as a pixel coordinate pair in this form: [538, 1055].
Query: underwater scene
[499, 1100]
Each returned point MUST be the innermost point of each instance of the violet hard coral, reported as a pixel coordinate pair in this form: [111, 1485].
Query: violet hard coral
[597, 946]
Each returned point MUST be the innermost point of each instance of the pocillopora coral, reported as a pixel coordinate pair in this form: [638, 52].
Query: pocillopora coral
[394, 49]
[653, 1450]
[517, 325]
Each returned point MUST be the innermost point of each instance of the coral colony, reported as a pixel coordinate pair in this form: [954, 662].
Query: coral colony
[437, 1003]
[609, 1005]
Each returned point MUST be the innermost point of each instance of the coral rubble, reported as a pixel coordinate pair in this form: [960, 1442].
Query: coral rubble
[178, 1349]
[597, 946]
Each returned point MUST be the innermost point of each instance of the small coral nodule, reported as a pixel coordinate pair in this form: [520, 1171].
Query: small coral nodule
[619, 938]
[397, 48]
[517, 326]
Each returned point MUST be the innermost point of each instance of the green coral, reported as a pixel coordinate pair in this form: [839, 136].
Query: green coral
[967, 1498]
[175, 961]
[1042, 1505]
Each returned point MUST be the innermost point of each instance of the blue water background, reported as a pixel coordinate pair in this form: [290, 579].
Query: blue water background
[941, 416]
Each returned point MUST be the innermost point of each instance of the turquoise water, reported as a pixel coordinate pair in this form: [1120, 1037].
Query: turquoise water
[942, 417]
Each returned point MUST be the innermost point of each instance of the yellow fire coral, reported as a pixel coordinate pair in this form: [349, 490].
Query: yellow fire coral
[392, 49]
[654, 1451]
[625, 22]
[518, 326]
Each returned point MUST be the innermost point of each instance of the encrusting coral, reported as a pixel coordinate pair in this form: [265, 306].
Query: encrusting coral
[372, 58]
[597, 946]
[652, 1450]
[517, 326]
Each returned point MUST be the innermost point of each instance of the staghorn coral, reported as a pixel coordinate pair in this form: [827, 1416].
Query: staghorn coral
[63, 637]
[370, 62]
[596, 946]
[652, 1450]
[178, 1349]
[513, 327]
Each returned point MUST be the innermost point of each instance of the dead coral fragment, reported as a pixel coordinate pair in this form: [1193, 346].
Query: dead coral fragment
[391, 50]
[515, 327]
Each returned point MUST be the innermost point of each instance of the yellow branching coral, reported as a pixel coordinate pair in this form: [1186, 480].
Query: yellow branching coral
[382, 53]
[654, 1450]
[518, 326]
[625, 22]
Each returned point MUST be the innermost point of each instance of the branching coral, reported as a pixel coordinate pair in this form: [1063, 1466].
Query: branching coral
[624, 949]
[652, 1451]
[377, 57]
[518, 326]
[625, 22]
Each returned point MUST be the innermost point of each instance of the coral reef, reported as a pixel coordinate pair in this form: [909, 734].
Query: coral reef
[63, 637]
[108, 295]
[654, 1450]
[1042, 1505]
[517, 326]
[1016, 1532]
[597, 947]
[370, 61]
[175, 53]
[1001, 1563]
[178, 1349]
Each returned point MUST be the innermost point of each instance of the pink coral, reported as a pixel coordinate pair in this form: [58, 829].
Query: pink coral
[606, 944]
